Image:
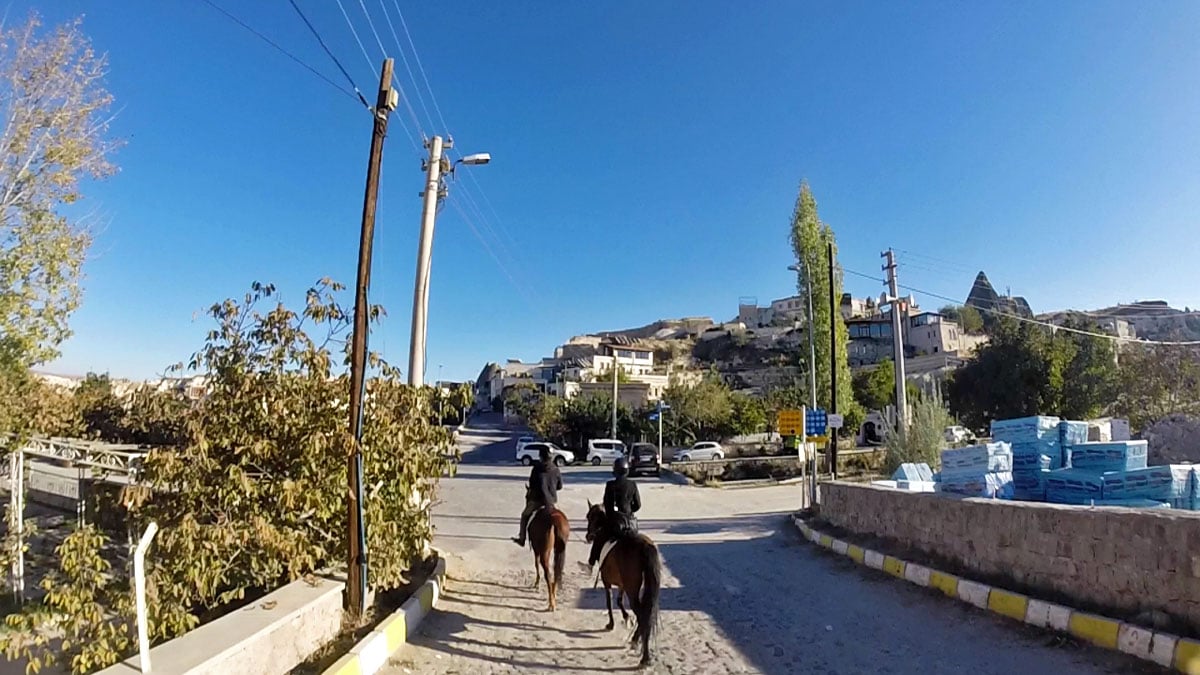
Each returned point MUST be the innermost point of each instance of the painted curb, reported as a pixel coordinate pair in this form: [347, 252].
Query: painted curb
[373, 651]
[1164, 649]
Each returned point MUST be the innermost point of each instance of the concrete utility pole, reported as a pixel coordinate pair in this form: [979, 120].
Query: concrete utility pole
[356, 555]
[420, 313]
[897, 341]
[615, 374]
[833, 369]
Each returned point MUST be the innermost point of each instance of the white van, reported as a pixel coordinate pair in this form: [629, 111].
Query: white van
[604, 450]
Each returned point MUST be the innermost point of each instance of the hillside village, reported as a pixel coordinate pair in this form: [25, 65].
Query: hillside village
[758, 350]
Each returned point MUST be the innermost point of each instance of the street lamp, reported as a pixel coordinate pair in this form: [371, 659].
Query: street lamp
[812, 348]
[435, 190]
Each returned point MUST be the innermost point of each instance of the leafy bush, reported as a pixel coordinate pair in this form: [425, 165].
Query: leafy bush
[923, 441]
[252, 494]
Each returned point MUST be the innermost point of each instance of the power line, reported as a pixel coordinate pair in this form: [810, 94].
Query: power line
[286, 53]
[466, 218]
[395, 80]
[337, 63]
[420, 67]
[363, 49]
[404, 59]
[1018, 317]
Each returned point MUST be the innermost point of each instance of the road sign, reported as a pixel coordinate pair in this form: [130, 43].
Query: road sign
[835, 421]
[815, 422]
[791, 422]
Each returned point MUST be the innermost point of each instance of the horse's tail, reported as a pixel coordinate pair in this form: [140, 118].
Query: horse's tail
[651, 586]
[562, 532]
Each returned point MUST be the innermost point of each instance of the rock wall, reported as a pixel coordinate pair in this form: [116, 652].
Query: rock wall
[1124, 562]
[1175, 439]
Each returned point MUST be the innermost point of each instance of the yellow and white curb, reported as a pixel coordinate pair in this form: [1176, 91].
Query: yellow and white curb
[373, 651]
[1166, 650]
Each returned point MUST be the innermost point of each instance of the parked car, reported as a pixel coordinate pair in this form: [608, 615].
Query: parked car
[701, 452]
[643, 458]
[958, 434]
[604, 451]
[523, 441]
[530, 452]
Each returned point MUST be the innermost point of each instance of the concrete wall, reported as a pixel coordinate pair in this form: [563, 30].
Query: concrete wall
[1123, 561]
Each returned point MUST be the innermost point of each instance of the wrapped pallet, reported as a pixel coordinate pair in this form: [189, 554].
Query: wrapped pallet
[1112, 456]
[1025, 429]
[1173, 484]
[992, 485]
[976, 460]
[1073, 486]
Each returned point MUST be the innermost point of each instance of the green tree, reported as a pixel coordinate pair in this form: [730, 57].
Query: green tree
[699, 411]
[1157, 380]
[1025, 370]
[810, 240]
[54, 137]
[749, 414]
[875, 388]
[255, 494]
[970, 320]
[101, 413]
[967, 317]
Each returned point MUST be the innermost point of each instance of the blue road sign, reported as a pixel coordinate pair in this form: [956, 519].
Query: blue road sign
[815, 422]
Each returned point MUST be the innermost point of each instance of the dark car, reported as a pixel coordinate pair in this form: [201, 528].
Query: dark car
[643, 459]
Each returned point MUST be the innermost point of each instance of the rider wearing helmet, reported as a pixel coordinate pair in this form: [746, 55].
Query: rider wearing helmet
[621, 501]
[545, 481]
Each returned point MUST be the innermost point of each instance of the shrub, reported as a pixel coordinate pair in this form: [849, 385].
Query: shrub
[253, 493]
[928, 419]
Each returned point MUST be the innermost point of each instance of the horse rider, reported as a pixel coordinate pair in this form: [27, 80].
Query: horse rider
[621, 501]
[545, 481]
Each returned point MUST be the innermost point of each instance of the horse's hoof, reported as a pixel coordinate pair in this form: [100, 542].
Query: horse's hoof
[610, 626]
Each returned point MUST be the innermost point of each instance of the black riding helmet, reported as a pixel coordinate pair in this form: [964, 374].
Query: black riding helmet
[620, 467]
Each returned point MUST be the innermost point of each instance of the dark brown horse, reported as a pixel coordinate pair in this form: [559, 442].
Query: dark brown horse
[634, 567]
[549, 531]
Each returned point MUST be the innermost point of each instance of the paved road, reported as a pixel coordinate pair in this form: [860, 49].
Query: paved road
[742, 593]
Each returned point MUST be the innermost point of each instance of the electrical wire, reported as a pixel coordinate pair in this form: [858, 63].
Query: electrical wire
[286, 53]
[395, 80]
[363, 49]
[1018, 317]
[335, 60]
[466, 218]
[408, 68]
[420, 67]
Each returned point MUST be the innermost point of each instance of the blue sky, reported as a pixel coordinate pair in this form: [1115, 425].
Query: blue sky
[646, 158]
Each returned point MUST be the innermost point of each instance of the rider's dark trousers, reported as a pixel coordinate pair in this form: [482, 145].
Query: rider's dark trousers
[530, 506]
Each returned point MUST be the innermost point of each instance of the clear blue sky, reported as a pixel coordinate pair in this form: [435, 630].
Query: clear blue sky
[646, 158]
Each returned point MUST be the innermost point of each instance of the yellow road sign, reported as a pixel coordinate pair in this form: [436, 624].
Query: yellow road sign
[791, 422]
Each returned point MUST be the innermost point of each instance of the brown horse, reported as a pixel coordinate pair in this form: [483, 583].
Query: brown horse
[634, 567]
[549, 531]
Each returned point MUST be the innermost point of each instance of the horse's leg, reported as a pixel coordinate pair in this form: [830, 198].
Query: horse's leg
[536, 571]
[621, 604]
[608, 600]
[550, 585]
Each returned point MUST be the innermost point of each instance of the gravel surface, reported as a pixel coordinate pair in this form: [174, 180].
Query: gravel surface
[742, 593]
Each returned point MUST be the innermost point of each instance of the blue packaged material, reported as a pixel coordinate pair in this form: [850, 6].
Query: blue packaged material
[976, 459]
[1025, 429]
[1168, 483]
[1114, 456]
[1029, 485]
[993, 485]
[917, 472]
[1048, 447]
[1072, 433]
[1073, 486]
[1032, 462]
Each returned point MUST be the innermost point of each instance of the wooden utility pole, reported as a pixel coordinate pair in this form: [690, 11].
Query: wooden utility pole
[356, 556]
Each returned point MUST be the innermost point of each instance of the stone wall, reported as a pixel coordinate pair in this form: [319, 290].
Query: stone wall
[1125, 562]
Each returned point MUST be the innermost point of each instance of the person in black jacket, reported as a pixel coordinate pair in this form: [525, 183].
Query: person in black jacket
[621, 501]
[545, 481]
